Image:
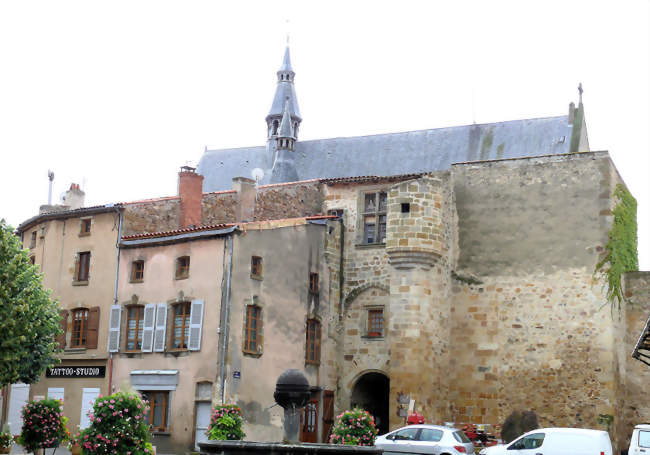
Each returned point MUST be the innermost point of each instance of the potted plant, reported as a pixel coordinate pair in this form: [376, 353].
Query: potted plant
[226, 423]
[118, 424]
[44, 425]
[6, 441]
[354, 428]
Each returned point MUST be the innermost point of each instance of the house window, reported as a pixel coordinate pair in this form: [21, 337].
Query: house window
[85, 227]
[137, 271]
[181, 325]
[158, 409]
[134, 326]
[253, 329]
[79, 328]
[335, 212]
[32, 242]
[313, 283]
[257, 268]
[376, 323]
[312, 354]
[374, 218]
[406, 207]
[32, 259]
[83, 265]
[182, 267]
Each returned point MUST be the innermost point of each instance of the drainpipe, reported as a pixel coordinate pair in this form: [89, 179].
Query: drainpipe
[225, 322]
[117, 274]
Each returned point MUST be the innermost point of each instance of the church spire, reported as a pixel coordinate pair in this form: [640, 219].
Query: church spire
[285, 135]
[284, 99]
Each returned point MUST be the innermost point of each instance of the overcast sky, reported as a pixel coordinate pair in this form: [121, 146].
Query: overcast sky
[118, 95]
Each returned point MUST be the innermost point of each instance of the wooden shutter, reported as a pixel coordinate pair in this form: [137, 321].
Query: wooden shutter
[64, 326]
[328, 414]
[93, 328]
[196, 323]
[114, 329]
[148, 327]
[161, 328]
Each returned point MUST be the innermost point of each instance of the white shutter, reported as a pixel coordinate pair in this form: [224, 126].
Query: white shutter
[196, 323]
[114, 328]
[161, 328]
[148, 327]
[18, 398]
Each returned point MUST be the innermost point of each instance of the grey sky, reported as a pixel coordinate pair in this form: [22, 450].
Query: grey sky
[117, 95]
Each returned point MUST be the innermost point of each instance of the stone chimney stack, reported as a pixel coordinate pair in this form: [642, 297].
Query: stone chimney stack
[74, 197]
[245, 198]
[190, 190]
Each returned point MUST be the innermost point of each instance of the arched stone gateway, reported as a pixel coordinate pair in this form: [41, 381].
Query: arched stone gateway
[371, 393]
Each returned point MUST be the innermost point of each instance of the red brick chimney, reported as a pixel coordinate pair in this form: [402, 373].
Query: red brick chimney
[190, 189]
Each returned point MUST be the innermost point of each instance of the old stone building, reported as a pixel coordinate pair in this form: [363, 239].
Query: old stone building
[450, 270]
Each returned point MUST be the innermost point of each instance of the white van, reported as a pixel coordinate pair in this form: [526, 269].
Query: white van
[556, 441]
[640, 442]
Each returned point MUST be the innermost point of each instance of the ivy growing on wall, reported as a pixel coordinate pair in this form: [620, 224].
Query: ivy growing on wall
[621, 250]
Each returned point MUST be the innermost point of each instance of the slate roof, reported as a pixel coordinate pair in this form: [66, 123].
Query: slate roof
[396, 153]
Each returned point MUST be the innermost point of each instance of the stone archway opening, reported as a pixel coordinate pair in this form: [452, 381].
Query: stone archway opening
[371, 393]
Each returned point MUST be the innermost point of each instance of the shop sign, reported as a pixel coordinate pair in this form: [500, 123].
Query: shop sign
[76, 372]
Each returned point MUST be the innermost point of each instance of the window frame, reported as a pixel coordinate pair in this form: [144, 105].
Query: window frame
[182, 270]
[150, 396]
[139, 327]
[377, 213]
[257, 267]
[313, 341]
[79, 338]
[184, 340]
[82, 270]
[314, 283]
[32, 241]
[256, 311]
[370, 333]
[135, 271]
[85, 226]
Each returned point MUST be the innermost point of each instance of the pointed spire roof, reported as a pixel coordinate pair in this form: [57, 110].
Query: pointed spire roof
[286, 62]
[286, 127]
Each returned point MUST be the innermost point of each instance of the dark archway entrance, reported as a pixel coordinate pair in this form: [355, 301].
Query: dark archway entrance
[371, 393]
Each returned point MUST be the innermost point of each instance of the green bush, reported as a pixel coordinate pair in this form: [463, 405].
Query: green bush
[44, 425]
[354, 428]
[226, 423]
[118, 426]
[6, 439]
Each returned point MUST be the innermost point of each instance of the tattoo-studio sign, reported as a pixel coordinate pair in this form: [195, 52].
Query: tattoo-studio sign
[76, 372]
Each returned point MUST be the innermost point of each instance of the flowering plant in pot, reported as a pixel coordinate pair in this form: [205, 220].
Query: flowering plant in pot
[6, 441]
[354, 428]
[44, 425]
[226, 423]
[118, 424]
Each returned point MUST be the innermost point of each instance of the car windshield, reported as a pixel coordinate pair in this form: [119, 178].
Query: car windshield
[461, 437]
[644, 438]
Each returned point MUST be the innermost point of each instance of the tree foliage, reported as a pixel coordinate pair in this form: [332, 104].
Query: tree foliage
[29, 319]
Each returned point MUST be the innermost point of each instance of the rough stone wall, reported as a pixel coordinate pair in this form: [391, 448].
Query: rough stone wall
[218, 208]
[288, 201]
[151, 216]
[636, 404]
[529, 322]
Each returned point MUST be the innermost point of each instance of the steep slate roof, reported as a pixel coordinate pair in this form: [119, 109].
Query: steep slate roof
[396, 153]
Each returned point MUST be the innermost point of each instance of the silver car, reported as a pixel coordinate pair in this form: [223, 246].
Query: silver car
[425, 439]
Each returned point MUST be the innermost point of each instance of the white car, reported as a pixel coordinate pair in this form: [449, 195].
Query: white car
[556, 441]
[425, 439]
[640, 442]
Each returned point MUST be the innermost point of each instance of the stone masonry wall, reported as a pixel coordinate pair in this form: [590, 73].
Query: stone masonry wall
[218, 208]
[151, 216]
[288, 201]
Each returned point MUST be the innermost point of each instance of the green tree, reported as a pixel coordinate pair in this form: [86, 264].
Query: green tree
[29, 319]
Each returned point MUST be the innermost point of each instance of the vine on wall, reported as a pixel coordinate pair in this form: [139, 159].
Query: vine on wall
[621, 250]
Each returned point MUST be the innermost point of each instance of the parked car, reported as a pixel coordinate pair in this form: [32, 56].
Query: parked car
[425, 439]
[640, 442]
[556, 441]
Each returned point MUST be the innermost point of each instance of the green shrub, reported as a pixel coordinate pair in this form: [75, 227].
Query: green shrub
[354, 428]
[226, 423]
[6, 439]
[44, 425]
[118, 426]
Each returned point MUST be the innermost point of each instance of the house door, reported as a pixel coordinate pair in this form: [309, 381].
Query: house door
[328, 414]
[18, 398]
[202, 422]
[309, 421]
